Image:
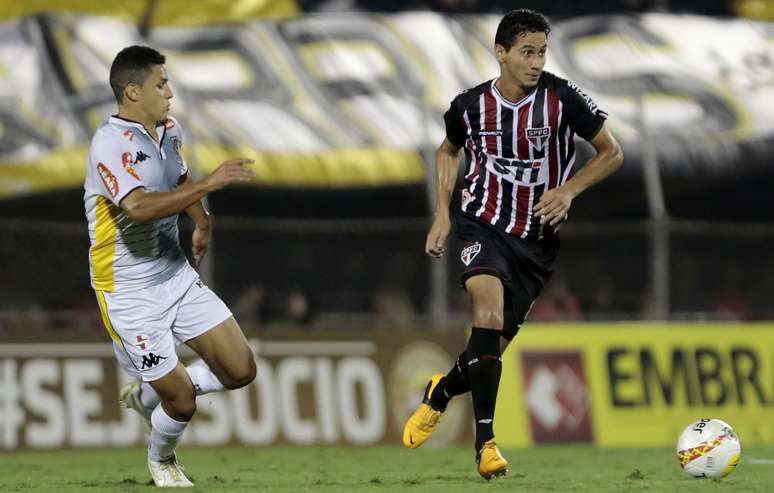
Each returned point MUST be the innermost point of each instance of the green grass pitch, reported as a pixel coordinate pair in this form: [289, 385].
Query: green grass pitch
[378, 469]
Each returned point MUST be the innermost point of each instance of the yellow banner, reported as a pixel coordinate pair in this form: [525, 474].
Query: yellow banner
[624, 385]
[160, 12]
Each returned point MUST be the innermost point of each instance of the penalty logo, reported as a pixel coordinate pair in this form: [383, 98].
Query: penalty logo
[469, 253]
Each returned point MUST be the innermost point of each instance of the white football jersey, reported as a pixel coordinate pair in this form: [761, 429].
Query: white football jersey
[124, 254]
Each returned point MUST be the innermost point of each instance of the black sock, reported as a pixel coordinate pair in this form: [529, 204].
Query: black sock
[484, 368]
[454, 383]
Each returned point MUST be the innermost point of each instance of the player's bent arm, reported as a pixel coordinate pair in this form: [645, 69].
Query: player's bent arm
[196, 211]
[446, 168]
[608, 158]
[143, 206]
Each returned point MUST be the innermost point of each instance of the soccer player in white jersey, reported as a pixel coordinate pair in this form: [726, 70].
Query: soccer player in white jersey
[150, 297]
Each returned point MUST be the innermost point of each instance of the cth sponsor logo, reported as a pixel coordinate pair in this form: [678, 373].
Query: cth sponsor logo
[469, 253]
[110, 181]
[538, 137]
[150, 360]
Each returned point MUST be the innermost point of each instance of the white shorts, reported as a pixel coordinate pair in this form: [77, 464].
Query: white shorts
[146, 324]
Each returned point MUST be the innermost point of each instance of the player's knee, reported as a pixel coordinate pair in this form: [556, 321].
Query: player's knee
[182, 405]
[488, 318]
[241, 376]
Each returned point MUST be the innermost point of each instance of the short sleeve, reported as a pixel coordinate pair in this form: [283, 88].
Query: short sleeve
[111, 161]
[583, 114]
[456, 129]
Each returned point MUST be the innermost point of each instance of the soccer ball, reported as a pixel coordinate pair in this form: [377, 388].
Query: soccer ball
[708, 448]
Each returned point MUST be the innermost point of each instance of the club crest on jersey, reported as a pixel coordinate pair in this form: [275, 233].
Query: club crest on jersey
[129, 135]
[176, 145]
[469, 253]
[110, 181]
[538, 137]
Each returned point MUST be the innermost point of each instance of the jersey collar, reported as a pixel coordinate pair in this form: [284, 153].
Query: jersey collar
[161, 130]
[507, 101]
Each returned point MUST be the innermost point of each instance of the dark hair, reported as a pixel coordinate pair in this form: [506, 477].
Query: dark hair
[132, 65]
[517, 22]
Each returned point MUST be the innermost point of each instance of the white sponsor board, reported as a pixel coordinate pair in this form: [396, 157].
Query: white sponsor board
[59, 395]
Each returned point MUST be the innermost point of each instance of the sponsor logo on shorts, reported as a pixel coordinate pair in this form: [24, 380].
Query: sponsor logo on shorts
[538, 137]
[467, 197]
[110, 181]
[141, 340]
[469, 253]
[150, 360]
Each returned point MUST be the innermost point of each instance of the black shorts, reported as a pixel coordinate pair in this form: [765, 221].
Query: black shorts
[523, 266]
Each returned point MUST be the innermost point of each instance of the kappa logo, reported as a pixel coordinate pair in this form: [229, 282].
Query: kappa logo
[538, 137]
[469, 253]
[140, 157]
[110, 181]
[150, 360]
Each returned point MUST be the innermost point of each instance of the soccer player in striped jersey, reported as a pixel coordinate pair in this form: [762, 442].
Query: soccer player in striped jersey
[151, 298]
[517, 135]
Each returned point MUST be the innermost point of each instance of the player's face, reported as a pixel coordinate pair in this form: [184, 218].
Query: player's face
[524, 62]
[155, 94]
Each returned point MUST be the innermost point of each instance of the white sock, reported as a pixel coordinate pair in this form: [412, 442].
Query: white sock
[165, 435]
[204, 382]
[148, 396]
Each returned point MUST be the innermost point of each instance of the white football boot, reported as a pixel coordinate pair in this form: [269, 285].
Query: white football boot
[168, 473]
[130, 397]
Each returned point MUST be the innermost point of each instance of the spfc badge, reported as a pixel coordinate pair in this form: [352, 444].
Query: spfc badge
[469, 253]
[538, 137]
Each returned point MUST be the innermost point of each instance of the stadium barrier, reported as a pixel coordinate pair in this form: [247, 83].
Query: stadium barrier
[613, 385]
[312, 388]
[635, 385]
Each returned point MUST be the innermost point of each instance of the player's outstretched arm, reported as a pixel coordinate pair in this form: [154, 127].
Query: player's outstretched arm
[555, 203]
[143, 206]
[446, 167]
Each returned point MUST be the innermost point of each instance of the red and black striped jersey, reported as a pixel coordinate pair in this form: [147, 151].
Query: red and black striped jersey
[516, 150]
